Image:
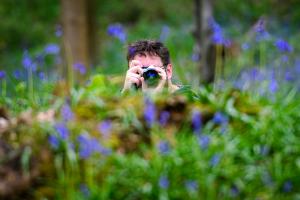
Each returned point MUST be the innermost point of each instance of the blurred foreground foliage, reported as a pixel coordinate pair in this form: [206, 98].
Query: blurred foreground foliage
[101, 144]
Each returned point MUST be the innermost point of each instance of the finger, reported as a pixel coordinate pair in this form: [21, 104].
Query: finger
[136, 70]
[133, 75]
[135, 63]
[144, 85]
[161, 72]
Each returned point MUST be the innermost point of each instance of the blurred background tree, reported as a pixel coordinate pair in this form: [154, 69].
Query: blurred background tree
[31, 24]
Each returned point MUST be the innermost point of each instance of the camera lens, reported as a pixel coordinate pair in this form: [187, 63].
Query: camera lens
[151, 77]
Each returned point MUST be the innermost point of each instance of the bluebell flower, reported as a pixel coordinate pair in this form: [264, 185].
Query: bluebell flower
[289, 76]
[163, 147]
[204, 141]
[105, 127]
[52, 49]
[149, 112]
[195, 57]
[245, 46]
[220, 118]
[163, 182]
[284, 58]
[234, 190]
[260, 30]
[283, 46]
[191, 185]
[85, 149]
[260, 26]
[58, 31]
[131, 51]
[62, 131]
[42, 76]
[264, 150]
[54, 141]
[80, 68]
[88, 146]
[273, 85]
[117, 30]
[66, 113]
[18, 74]
[165, 31]
[164, 117]
[84, 190]
[2, 74]
[217, 34]
[287, 186]
[214, 161]
[28, 63]
[255, 74]
[196, 122]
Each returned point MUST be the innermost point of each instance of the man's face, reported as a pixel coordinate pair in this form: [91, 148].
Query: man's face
[148, 60]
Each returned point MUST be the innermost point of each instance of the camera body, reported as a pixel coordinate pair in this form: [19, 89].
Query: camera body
[151, 76]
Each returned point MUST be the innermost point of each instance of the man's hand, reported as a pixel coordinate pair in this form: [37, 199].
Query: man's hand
[133, 75]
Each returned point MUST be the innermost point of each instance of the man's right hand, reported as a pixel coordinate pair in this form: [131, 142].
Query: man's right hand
[133, 75]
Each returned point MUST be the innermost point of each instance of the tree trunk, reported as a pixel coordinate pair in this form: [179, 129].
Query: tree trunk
[206, 50]
[75, 33]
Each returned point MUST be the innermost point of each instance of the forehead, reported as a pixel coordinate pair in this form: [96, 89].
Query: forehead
[147, 59]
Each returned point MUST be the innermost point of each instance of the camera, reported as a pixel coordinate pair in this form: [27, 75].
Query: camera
[151, 76]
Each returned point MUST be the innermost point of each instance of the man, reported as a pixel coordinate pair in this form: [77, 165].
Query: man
[149, 67]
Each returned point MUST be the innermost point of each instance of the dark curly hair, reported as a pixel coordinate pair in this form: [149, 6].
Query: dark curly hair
[151, 47]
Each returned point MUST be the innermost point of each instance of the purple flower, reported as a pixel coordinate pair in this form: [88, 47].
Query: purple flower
[117, 30]
[88, 146]
[149, 112]
[84, 190]
[204, 141]
[214, 161]
[217, 34]
[273, 85]
[264, 150]
[284, 58]
[245, 46]
[58, 31]
[289, 76]
[105, 128]
[287, 186]
[66, 113]
[62, 131]
[163, 182]
[260, 30]
[42, 76]
[283, 46]
[234, 191]
[80, 68]
[2, 74]
[219, 118]
[260, 26]
[164, 117]
[191, 185]
[54, 141]
[165, 31]
[196, 122]
[131, 51]
[85, 149]
[52, 49]
[18, 74]
[28, 63]
[164, 147]
[195, 57]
